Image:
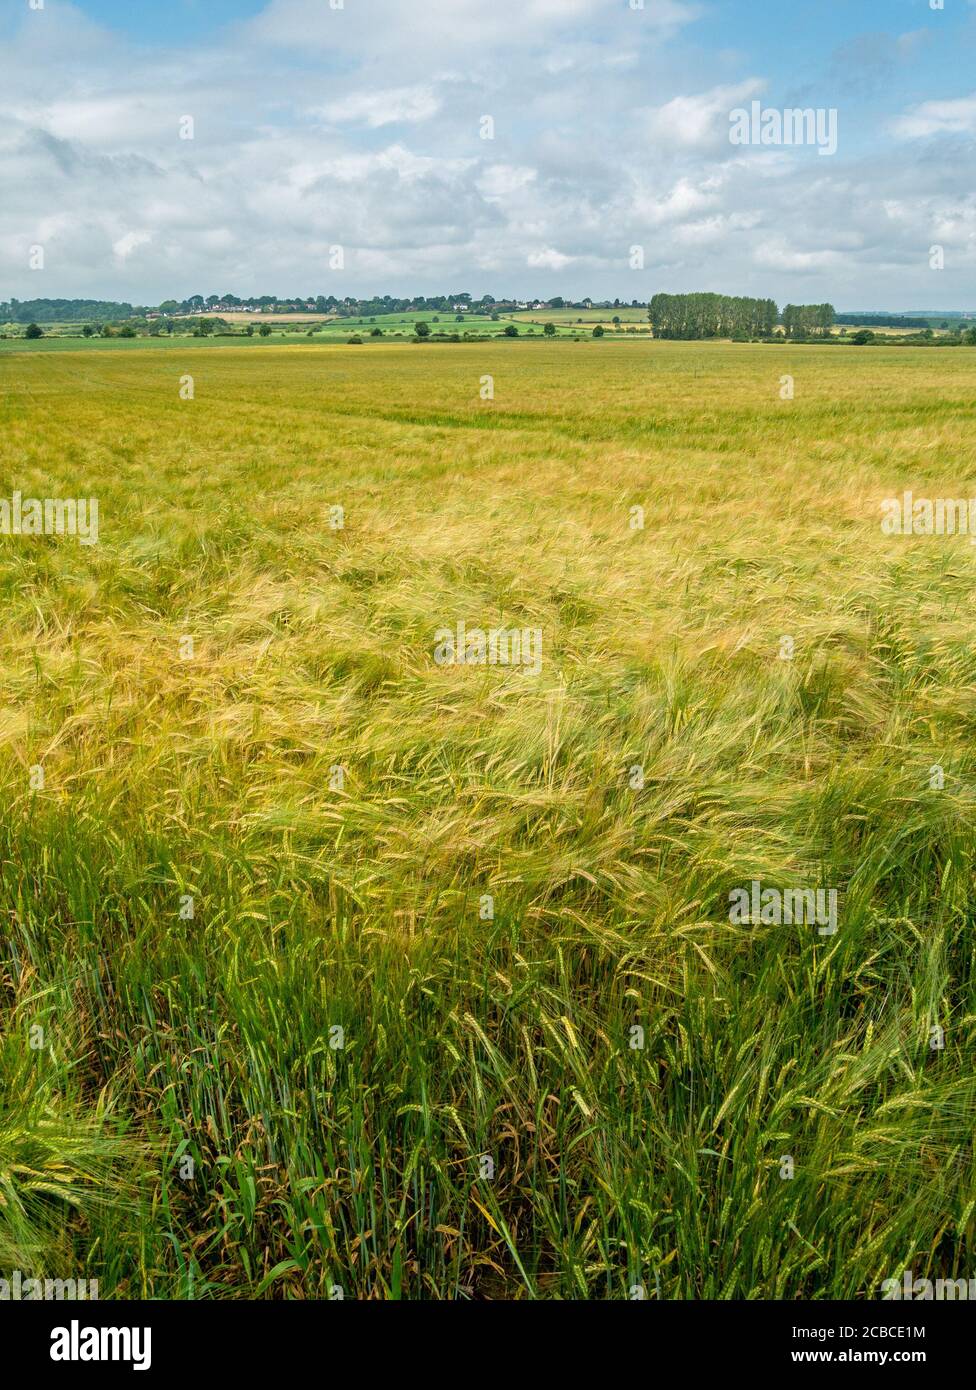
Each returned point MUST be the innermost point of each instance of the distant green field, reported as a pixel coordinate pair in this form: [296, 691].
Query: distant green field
[447, 323]
[339, 329]
[58, 337]
[582, 317]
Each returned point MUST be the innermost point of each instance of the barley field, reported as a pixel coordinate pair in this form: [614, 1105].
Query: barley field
[330, 970]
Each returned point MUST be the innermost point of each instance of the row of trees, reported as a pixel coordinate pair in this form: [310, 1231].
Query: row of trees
[691, 316]
[61, 310]
[884, 321]
[805, 320]
[711, 316]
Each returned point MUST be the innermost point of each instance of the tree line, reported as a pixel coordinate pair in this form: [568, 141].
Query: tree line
[883, 321]
[806, 320]
[691, 316]
[712, 316]
[62, 310]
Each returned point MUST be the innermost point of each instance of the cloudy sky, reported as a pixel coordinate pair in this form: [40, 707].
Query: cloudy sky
[361, 124]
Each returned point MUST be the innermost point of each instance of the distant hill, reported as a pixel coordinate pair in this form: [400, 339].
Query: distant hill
[859, 315]
[911, 318]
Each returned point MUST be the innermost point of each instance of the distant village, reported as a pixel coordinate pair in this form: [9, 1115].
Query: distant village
[199, 306]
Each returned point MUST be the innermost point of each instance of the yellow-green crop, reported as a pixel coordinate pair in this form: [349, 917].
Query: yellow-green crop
[327, 966]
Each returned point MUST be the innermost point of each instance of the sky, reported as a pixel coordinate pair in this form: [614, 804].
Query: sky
[512, 147]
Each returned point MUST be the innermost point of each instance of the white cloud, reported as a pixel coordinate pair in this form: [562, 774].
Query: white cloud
[957, 116]
[131, 241]
[504, 180]
[549, 259]
[700, 121]
[681, 202]
[409, 30]
[378, 108]
[778, 255]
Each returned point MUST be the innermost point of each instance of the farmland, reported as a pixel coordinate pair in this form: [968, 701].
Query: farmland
[294, 327]
[287, 328]
[330, 967]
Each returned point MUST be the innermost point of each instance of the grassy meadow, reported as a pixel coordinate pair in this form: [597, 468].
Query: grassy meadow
[262, 1037]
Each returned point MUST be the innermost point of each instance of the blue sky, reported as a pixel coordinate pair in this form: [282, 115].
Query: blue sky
[157, 22]
[360, 124]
